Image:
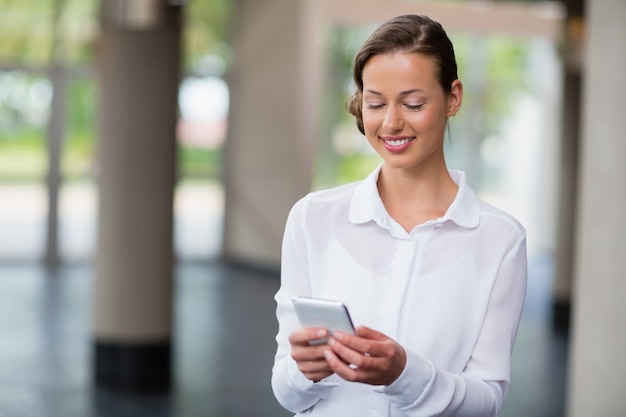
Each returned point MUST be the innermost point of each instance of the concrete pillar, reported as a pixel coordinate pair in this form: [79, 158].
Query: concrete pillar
[568, 165]
[597, 363]
[268, 152]
[139, 56]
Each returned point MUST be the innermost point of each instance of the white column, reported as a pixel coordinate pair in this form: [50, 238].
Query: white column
[268, 156]
[139, 56]
[568, 165]
[597, 364]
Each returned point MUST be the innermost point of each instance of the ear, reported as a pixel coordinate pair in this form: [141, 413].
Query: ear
[455, 98]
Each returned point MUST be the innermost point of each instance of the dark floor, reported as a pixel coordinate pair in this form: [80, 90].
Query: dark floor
[224, 342]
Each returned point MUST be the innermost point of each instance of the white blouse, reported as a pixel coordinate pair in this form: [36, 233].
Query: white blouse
[450, 292]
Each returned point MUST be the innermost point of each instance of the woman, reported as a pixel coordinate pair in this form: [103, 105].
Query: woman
[434, 277]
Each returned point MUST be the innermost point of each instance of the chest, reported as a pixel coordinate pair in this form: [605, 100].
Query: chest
[428, 292]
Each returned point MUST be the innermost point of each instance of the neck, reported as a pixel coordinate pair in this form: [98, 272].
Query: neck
[406, 185]
[413, 197]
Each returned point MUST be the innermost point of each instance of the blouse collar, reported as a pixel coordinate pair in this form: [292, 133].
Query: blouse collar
[366, 204]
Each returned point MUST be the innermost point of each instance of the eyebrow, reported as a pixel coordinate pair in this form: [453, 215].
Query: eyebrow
[403, 93]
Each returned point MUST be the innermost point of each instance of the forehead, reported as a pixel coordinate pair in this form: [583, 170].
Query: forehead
[401, 69]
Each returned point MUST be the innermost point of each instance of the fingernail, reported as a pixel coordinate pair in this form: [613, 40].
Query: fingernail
[327, 354]
[331, 341]
[321, 332]
[338, 335]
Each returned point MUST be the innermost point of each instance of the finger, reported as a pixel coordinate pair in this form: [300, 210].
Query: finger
[314, 367]
[374, 343]
[347, 354]
[315, 370]
[357, 343]
[319, 376]
[368, 354]
[371, 334]
[307, 352]
[349, 372]
[304, 335]
[356, 367]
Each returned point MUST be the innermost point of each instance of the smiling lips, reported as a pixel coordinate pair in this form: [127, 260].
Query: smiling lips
[397, 144]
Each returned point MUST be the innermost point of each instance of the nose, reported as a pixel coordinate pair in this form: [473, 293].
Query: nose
[393, 119]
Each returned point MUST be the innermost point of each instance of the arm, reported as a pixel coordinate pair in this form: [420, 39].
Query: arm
[291, 388]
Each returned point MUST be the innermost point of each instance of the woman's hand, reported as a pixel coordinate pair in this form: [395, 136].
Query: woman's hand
[369, 357]
[310, 358]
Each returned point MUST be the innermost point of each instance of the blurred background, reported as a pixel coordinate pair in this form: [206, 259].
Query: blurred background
[47, 44]
[91, 277]
[510, 123]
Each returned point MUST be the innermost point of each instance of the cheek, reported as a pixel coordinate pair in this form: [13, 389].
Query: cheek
[370, 123]
[371, 132]
[425, 121]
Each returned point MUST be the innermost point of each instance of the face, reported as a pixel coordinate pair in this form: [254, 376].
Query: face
[405, 109]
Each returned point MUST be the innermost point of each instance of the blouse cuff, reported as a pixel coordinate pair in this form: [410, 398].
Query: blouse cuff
[416, 377]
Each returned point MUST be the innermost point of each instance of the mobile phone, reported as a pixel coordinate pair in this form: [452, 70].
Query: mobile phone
[317, 312]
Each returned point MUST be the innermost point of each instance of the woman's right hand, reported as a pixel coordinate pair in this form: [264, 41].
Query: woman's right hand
[310, 358]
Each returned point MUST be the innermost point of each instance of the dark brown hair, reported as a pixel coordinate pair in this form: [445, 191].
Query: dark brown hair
[410, 34]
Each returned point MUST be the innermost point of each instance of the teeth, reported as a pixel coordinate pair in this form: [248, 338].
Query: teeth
[398, 142]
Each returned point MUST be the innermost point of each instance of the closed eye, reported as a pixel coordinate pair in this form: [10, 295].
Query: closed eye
[375, 106]
[414, 106]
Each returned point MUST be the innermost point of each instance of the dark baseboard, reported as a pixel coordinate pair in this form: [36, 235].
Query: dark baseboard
[134, 368]
[561, 312]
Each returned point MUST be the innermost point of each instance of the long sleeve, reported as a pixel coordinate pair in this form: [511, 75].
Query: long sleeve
[425, 390]
[291, 388]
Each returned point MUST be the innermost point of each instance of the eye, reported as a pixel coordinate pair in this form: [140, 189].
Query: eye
[414, 106]
[374, 106]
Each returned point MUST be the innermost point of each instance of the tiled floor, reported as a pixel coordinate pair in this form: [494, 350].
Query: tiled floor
[224, 342]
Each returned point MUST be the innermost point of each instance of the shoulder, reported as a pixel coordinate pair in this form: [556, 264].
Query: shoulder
[325, 202]
[472, 212]
[495, 218]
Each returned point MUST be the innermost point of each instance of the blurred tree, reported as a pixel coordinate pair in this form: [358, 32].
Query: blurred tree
[206, 34]
[26, 28]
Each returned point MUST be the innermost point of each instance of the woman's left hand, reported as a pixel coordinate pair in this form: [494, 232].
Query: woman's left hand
[370, 357]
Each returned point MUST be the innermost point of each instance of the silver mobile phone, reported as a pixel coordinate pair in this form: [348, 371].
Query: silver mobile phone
[317, 312]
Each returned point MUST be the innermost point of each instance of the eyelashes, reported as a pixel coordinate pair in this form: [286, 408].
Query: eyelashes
[407, 106]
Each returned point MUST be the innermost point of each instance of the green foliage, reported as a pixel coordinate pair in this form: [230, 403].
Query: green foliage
[28, 31]
[206, 31]
[22, 155]
[25, 30]
[78, 27]
[194, 162]
[27, 35]
[502, 63]
[356, 167]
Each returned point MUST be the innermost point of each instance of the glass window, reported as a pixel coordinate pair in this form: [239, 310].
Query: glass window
[24, 107]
